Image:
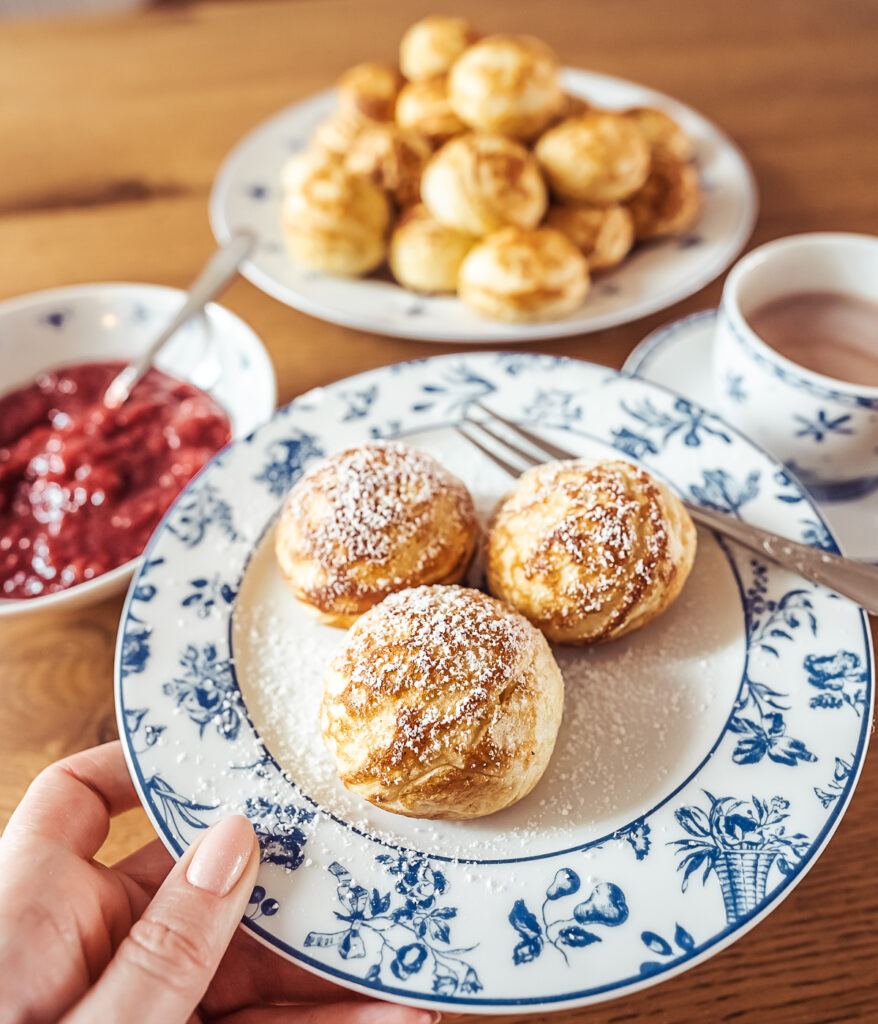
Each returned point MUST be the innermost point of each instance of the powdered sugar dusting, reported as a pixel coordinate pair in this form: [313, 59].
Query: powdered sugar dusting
[443, 656]
[613, 532]
[364, 505]
[640, 713]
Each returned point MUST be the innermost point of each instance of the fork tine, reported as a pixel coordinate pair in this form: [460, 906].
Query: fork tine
[540, 443]
[507, 467]
[528, 457]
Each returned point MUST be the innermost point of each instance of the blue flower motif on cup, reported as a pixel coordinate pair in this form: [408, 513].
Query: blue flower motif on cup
[198, 508]
[206, 691]
[661, 947]
[458, 389]
[819, 427]
[738, 841]
[358, 402]
[721, 492]
[682, 420]
[407, 938]
[258, 191]
[841, 677]
[287, 460]
[208, 594]
[177, 812]
[838, 783]
[604, 906]
[279, 829]
[556, 406]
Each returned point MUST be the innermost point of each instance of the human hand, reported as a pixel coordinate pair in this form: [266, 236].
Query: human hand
[146, 940]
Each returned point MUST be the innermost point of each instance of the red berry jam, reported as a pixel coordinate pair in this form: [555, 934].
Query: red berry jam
[82, 487]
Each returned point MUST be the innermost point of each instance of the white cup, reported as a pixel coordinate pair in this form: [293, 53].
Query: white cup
[825, 430]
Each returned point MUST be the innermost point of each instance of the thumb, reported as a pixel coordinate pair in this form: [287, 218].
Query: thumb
[165, 964]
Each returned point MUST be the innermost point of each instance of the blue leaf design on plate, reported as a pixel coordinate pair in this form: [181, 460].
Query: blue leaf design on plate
[656, 943]
[683, 939]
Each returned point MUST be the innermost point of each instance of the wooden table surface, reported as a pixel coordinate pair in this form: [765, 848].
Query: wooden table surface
[111, 131]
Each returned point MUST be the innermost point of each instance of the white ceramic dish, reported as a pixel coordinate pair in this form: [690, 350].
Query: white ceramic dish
[680, 355]
[92, 322]
[247, 192]
[619, 869]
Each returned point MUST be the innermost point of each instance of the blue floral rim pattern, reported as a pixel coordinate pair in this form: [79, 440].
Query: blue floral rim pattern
[402, 924]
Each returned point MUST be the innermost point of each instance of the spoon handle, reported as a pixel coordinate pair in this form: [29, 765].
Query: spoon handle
[217, 273]
[847, 576]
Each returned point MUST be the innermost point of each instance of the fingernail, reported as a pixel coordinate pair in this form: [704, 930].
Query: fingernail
[221, 856]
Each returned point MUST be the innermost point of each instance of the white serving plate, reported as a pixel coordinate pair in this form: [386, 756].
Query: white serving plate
[725, 737]
[247, 193]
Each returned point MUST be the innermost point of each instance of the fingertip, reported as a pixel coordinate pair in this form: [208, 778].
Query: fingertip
[223, 855]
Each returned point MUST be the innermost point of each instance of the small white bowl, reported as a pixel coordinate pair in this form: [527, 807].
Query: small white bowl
[216, 351]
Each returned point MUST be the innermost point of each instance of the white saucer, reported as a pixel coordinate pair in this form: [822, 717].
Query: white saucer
[679, 355]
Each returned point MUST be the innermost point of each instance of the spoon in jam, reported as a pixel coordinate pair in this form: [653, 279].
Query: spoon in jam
[220, 269]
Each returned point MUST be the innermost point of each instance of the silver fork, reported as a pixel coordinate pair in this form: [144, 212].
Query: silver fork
[847, 576]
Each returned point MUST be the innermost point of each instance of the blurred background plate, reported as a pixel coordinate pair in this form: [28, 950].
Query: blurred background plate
[247, 192]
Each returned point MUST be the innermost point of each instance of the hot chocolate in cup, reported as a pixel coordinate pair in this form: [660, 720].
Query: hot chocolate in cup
[795, 362]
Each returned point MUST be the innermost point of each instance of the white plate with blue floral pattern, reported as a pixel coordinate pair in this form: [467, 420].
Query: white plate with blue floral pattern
[702, 765]
[247, 193]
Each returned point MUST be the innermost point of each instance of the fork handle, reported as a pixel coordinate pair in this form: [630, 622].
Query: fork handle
[847, 576]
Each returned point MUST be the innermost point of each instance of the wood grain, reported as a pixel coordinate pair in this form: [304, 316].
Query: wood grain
[110, 133]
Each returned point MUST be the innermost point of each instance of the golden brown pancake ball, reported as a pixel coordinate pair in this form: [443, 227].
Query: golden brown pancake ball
[604, 234]
[661, 131]
[337, 133]
[442, 703]
[368, 522]
[301, 167]
[478, 183]
[506, 84]
[599, 157]
[423, 107]
[393, 158]
[336, 221]
[424, 254]
[670, 200]
[369, 89]
[589, 549]
[569, 106]
[432, 45]
[522, 276]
